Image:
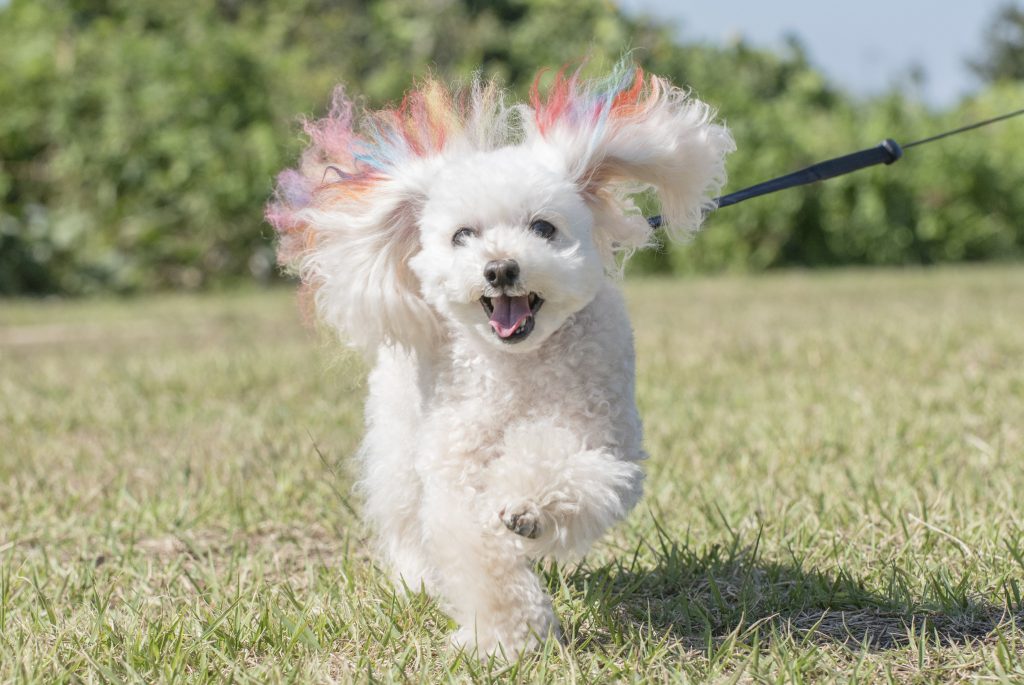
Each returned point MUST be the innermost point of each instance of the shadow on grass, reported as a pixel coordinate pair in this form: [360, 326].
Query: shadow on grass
[704, 597]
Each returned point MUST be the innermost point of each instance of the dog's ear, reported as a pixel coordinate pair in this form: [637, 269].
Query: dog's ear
[627, 133]
[348, 221]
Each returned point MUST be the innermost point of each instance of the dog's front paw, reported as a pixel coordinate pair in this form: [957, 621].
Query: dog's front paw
[522, 519]
[509, 636]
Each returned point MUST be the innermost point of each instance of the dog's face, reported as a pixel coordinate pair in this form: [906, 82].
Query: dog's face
[459, 213]
[507, 251]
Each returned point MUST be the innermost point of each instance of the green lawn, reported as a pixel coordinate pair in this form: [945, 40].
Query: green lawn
[836, 490]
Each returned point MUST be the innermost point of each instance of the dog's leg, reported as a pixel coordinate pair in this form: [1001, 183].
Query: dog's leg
[390, 485]
[555, 496]
[391, 503]
[484, 579]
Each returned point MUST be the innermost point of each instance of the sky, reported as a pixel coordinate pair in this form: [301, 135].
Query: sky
[864, 46]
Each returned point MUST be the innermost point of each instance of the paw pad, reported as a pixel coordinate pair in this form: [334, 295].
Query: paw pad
[524, 521]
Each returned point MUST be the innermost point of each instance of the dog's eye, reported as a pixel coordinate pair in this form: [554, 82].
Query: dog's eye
[462, 235]
[545, 229]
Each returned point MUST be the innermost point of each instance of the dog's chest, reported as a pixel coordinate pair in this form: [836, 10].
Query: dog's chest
[575, 391]
[581, 380]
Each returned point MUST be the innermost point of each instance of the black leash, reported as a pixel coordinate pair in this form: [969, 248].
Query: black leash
[886, 152]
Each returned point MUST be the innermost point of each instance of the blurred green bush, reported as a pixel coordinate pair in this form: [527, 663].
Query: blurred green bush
[139, 138]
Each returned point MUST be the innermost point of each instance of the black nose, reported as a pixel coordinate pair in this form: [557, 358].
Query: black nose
[501, 272]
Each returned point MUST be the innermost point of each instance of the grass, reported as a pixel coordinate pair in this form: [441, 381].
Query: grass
[835, 492]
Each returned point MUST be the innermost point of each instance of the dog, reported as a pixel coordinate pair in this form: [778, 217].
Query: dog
[472, 248]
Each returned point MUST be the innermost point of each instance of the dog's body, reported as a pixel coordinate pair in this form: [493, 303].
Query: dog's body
[529, 444]
[473, 256]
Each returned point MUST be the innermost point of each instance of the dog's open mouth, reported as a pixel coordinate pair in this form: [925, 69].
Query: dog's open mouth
[511, 317]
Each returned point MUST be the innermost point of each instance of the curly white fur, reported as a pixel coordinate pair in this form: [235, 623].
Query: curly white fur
[482, 455]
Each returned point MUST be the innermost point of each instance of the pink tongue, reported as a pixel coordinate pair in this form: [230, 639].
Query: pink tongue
[508, 313]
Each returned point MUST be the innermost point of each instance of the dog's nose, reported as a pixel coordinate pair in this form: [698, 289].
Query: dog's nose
[501, 272]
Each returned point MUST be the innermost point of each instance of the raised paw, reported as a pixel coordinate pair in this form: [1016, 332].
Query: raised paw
[523, 519]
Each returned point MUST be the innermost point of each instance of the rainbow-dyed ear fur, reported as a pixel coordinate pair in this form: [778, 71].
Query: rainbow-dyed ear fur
[627, 133]
[348, 217]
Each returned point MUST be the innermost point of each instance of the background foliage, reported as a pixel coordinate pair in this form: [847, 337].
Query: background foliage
[139, 138]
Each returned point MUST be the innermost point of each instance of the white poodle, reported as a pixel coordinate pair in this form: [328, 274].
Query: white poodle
[472, 248]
